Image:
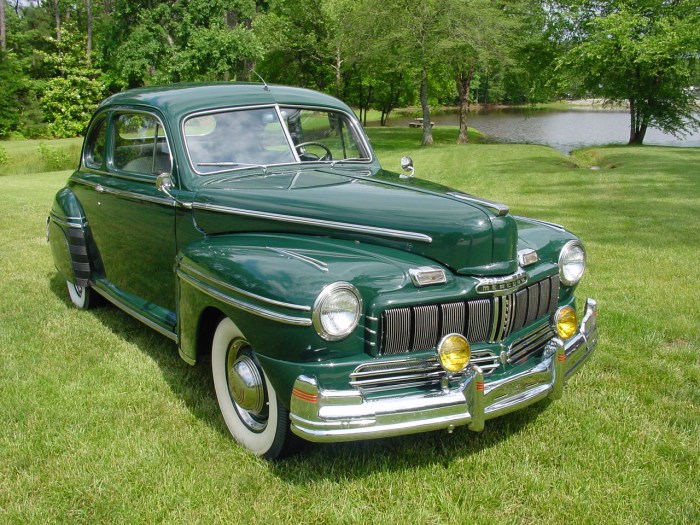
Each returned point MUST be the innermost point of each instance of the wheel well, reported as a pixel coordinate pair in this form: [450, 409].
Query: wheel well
[208, 322]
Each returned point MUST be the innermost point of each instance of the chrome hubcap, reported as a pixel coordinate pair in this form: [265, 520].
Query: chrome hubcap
[246, 386]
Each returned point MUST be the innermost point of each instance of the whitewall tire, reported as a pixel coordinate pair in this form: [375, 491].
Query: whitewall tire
[81, 296]
[248, 402]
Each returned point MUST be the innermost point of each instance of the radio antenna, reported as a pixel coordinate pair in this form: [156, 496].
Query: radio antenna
[266, 88]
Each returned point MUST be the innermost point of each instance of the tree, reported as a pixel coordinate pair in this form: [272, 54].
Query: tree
[641, 53]
[480, 32]
[73, 91]
[3, 40]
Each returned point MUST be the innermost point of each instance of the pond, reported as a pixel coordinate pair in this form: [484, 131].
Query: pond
[565, 130]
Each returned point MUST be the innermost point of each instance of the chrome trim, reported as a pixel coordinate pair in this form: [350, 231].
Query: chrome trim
[267, 314]
[522, 347]
[564, 248]
[109, 161]
[325, 416]
[540, 222]
[106, 293]
[417, 274]
[278, 109]
[325, 294]
[502, 285]
[128, 194]
[499, 208]
[191, 269]
[65, 221]
[356, 228]
[527, 256]
[313, 262]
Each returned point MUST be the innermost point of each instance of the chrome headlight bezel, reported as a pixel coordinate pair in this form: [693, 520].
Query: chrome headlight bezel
[329, 293]
[572, 248]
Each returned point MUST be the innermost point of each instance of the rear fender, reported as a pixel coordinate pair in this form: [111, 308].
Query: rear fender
[69, 238]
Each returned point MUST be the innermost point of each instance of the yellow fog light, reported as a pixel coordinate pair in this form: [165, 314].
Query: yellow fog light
[565, 322]
[454, 352]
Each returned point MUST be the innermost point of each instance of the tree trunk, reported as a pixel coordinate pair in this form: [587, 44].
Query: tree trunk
[57, 19]
[3, 42]
[427, 130]
[88, 6]
[638, 124]
[464, 83]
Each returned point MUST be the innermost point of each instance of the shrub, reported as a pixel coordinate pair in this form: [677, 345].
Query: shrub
[55, 159]
[4, 157]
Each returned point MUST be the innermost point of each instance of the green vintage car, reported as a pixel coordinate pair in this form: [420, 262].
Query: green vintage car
[338, 301]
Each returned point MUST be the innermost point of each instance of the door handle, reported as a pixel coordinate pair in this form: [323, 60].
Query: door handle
[99, 188]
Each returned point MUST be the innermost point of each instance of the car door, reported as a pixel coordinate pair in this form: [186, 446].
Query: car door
[131, 222]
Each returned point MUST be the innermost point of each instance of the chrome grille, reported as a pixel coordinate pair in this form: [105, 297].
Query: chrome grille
[416, 328]
[407, 373]
[531, 344]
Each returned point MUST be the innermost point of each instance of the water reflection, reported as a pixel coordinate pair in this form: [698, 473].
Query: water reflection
[564, 130]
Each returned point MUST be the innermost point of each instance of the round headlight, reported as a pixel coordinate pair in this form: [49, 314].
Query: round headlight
[454, 352]
[572, 263]
[337, 311]
[565, 322]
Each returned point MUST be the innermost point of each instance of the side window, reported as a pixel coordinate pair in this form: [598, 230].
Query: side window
[140, 144]
[95, 145]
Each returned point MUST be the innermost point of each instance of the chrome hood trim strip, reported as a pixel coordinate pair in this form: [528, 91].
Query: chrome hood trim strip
[344, 226]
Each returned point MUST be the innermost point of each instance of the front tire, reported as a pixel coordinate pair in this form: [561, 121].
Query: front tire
[249, 404]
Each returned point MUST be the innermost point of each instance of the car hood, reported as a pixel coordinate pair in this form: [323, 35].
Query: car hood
[367, 206]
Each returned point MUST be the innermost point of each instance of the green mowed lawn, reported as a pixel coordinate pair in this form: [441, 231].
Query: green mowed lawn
[103, 423]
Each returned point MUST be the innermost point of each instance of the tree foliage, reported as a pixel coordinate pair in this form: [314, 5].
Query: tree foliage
[72, 92]
[374, 54]
[640, 52]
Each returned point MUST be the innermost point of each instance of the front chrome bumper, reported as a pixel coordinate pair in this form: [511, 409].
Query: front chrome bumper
[330, 415]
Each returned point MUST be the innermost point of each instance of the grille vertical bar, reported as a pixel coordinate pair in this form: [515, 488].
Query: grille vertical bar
[479, 319]
[396, 330]
[425, 328]
[454, 316]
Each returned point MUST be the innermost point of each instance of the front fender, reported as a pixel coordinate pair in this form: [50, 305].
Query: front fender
[268, 284]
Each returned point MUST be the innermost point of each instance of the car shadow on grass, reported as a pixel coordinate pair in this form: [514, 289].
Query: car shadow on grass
[330, 461]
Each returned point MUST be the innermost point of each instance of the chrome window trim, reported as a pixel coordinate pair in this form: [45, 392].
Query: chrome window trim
[262, 312]
[190, 269]
[278, 109]
[345, 226]
[110, 147]
[102, 118]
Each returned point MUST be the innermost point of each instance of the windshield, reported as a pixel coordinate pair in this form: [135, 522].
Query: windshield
[241, 138]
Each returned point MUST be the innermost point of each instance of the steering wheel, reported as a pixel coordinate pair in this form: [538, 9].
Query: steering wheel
[311, 156]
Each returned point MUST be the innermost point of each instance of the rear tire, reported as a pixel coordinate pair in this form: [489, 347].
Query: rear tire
[251, 409]
[83, 298]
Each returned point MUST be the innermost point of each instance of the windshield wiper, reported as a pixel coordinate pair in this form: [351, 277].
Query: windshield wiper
[233, 165]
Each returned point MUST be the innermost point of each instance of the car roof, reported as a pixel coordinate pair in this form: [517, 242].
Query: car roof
[177, 100]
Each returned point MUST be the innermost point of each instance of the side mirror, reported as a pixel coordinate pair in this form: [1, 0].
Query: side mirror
[407, 166]
[164, 183]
